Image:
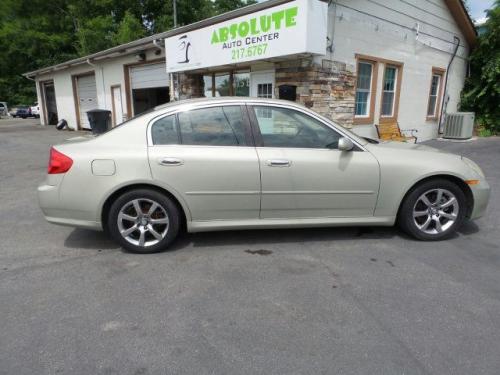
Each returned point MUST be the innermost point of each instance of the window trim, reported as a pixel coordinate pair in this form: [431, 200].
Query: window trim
[383, 62]
[393, 107]
[436, 71]
[397, 93]
[246, 104]
[368, 119]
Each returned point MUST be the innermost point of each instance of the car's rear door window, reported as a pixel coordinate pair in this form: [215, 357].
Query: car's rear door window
[285, 127]
[164, 131]
[213, 126]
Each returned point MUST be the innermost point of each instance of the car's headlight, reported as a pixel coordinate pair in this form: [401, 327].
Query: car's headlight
[472, 165]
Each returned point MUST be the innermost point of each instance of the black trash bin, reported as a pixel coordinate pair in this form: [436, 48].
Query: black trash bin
[100, 120]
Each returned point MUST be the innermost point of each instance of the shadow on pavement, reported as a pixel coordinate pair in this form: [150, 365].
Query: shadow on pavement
[89, 239]
[468, 227]
[277, 236]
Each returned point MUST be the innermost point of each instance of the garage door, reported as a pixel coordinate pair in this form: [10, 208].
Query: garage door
[87, 98]
[148, 76]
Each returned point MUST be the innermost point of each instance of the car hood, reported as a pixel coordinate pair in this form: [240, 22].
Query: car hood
[408, 146]
[403, 151]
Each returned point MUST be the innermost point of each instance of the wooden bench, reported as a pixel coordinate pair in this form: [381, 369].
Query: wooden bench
[390, 131]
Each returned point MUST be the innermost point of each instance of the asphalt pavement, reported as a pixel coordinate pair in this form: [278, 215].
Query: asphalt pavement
[312, 301]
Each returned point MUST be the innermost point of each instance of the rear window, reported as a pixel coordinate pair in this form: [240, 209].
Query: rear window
[214, 126]
[164, 131]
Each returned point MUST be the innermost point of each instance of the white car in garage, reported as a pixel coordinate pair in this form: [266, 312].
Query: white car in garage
[35, 110]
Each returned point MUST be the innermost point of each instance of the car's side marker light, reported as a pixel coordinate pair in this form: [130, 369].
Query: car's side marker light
[472, 182]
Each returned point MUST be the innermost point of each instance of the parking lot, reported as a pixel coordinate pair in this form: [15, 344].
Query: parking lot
[312, 301]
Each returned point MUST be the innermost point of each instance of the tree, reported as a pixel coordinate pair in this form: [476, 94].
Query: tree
[60, 30]
[222, 6]
[129, 29]
[481, 92]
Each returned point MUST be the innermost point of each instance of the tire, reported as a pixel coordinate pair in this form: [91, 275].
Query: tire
[146, 232]
[424, 218]
[61, 124]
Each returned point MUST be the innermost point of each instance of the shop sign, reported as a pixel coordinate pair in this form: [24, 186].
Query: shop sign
[291, 28]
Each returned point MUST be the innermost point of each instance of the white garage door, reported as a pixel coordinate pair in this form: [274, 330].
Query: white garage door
[148, 76]
[87, 98]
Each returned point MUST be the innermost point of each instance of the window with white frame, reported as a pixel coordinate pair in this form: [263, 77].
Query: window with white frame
[389, 91]
[363, 89]
[264, 90]
[432, 107]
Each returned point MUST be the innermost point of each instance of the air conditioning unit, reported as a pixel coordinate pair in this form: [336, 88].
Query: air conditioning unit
[459, 125]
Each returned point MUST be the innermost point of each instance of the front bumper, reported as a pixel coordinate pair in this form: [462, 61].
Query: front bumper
[481, 195]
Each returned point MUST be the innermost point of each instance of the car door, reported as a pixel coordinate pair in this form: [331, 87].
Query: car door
[206, 155]
[303, 174]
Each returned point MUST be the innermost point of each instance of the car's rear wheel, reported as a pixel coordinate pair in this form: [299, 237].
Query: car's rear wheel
[433, 210]
[144, 221]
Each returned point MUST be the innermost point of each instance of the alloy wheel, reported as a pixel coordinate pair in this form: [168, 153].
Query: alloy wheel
[435, 211]
[143, 222]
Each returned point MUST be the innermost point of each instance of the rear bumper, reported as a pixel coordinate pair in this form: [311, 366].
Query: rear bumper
[55, 213]
[481, 194]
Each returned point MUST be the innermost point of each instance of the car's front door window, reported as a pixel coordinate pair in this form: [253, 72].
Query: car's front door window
[283, 127]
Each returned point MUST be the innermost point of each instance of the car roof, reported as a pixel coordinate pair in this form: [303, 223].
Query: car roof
[227, 99]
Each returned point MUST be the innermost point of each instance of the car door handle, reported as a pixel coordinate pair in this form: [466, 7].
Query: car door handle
[170, 161]
[279, 163]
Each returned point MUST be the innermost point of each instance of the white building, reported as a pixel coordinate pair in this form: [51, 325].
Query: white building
[359, 62]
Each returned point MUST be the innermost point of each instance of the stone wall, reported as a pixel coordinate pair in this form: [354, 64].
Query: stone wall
[328, 89]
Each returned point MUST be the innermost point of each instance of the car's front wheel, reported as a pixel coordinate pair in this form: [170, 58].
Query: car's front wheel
[144, 221]
[433, 210]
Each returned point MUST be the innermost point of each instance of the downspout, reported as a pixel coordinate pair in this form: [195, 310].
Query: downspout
[440, 126]
[331, 43]
[102, 79]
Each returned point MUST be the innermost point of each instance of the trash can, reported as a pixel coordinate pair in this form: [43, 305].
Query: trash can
[100, 120]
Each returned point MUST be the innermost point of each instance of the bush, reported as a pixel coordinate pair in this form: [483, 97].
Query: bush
[481, 92]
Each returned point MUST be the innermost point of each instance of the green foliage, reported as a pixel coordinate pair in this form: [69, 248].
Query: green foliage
[481, 92]
[129, 29]
[38, 33]
[485, 132]
[95, 35]
[222, 6]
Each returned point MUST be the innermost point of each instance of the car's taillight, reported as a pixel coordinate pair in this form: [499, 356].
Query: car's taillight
[58, 162]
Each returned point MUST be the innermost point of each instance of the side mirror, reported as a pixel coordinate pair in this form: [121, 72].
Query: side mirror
[345, 144]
